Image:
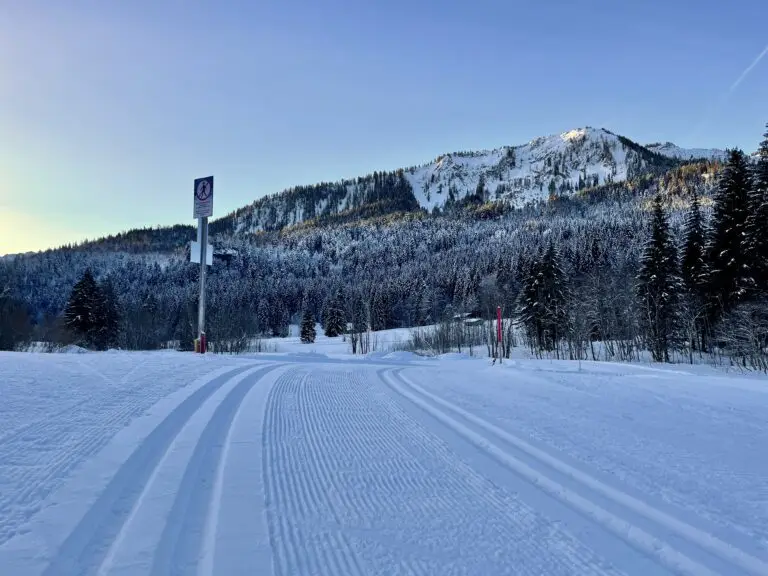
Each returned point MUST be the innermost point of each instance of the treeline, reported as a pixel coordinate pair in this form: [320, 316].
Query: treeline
[389, 272]
[92, 315]
[377, 194]
[707, 294]
[400, 273]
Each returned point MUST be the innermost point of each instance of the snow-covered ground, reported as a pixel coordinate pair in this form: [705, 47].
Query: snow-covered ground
[674, 151]
[339, 346]
[292, 464]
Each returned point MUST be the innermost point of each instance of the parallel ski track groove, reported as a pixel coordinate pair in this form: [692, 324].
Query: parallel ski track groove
[513, 523]
[681, 463]
[85, 547]
[185, 525]
[580, 561]
[726, 552]
[82, 443]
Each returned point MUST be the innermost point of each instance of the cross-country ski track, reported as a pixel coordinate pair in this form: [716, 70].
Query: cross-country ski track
[388, 467]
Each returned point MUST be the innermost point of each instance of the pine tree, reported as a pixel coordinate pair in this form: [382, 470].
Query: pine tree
[308, 332]
[757, 221]
[481, 194]
[425, 303]
[81, 313]
[263, 316]
[729, 271]
[339, 318]
[542, 299]
[107, 317]
[529, 306]
[325, 316]
[693, 264]
[15, 326]
[694, 272]
[335, 320]
[555, 297]
[381, 310]
[659, 286]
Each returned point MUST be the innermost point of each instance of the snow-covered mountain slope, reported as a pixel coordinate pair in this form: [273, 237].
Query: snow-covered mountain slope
[553, 165]
[556, 165]
[673, 151]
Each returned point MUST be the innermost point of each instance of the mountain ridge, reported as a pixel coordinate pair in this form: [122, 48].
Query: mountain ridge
[545, 167]
[673, 151]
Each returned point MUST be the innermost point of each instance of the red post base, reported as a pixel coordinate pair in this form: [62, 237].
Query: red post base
[203, 343]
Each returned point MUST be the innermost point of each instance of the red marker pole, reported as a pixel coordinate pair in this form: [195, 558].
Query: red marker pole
[498, 332]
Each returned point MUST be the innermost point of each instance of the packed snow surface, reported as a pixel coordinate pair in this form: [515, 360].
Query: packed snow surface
[290, 464]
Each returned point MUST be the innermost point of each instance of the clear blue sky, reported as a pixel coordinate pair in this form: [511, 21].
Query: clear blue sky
[109, 110]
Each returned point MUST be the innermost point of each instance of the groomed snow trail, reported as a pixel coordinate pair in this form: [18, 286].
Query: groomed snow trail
[54, 418]
[291, 466]
[676, 544]
[355, 485]
[85, 548]
[178, 551]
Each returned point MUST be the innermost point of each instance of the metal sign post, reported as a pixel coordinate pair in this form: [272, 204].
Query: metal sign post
[202, 224]
[203, 199]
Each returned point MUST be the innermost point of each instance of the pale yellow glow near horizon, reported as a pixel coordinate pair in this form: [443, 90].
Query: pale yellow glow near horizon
[21, 232]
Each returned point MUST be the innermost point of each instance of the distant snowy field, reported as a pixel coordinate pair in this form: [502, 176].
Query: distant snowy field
[290, 463]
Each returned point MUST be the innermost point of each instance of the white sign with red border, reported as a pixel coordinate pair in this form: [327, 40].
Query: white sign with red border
[204, 197]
